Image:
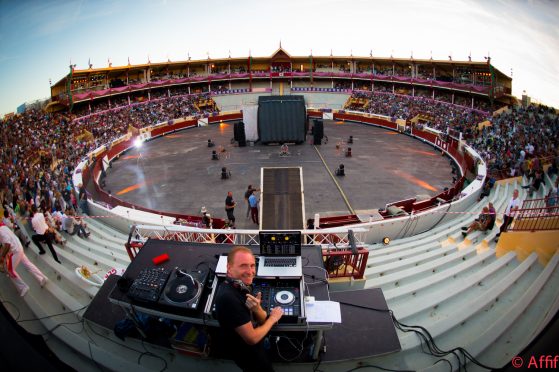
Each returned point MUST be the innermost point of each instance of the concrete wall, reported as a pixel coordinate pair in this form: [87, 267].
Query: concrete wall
[324, 100]
[524, 243]
[235, 101]
[315, 100]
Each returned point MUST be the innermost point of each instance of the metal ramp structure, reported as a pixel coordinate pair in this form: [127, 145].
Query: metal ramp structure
[282, 199]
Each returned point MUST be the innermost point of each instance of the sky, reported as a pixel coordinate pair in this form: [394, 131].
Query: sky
[39, 39]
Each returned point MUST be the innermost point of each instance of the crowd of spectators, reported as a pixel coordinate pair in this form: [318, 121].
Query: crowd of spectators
[383, 87]
[512, 143]
[343, 85]
[281, 68]
[113, 123]
[39, 150]
[438, 115]
[38, 157]
[518, 139]
[425, 73]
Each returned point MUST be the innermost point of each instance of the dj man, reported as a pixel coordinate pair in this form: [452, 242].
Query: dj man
[237, 310]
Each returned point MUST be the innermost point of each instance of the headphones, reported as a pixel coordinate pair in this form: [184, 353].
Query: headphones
[239, 285]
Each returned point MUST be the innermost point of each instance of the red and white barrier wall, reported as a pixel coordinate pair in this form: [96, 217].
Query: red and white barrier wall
[121, 215]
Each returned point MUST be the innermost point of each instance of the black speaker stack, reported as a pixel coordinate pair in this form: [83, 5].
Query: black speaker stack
[239, 134]
[318, 132]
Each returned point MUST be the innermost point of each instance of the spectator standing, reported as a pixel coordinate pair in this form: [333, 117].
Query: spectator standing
[12, 255]
[67, 195]
[492, 215]
[510, 212]
[82, 199]
[536, 183]
[230, 208]
[248, 193]
[206, 218]
[253, 203]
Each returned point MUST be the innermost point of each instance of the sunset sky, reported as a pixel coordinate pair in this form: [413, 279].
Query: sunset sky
[38, 39]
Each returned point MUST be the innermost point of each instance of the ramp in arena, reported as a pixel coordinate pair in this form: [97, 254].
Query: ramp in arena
[282, 199]
[281, 119]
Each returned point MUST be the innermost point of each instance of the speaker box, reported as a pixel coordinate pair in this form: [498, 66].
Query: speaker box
[239, 132]
[236, 131]
[242, 136]
[317, 140]
[318, 128]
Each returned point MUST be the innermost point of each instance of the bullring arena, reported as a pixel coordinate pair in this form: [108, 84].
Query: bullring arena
[189, 179]
[429, 151]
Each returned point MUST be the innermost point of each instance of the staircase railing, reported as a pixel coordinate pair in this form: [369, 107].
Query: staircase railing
[537, 215]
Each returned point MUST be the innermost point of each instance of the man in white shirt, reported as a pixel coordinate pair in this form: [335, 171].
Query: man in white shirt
[510, 212]
[43, 234]
[12, 256]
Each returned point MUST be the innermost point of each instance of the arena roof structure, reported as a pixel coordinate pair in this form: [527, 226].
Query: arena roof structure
[479, 78]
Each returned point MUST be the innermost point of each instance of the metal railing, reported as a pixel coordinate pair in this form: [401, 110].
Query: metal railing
[339, 260]
[337, 237]
[537, 215]
[343, 263]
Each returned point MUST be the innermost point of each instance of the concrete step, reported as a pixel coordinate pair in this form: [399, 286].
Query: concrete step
[94, 246]
[417, 288]
[470, 286]
[421, 271]
[463, 320]
[106, 231]
[507, 337]
[414, 261]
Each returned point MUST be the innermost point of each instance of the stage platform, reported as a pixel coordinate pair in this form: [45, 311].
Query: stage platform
[363, 333]
[175, 173]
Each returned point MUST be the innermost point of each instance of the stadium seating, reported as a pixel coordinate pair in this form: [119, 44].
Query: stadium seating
[459, 291]
[458, 294]
[457, 288]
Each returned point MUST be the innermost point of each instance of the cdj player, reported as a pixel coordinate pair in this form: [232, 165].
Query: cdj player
[283, 293]
[286, 293]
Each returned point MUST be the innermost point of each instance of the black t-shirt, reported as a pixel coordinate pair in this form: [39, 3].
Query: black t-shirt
[231, 313]
[229, 203]
[537, 182]
[206, 220]
[82, 195]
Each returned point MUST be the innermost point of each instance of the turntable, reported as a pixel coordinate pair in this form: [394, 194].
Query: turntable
[184, 289]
